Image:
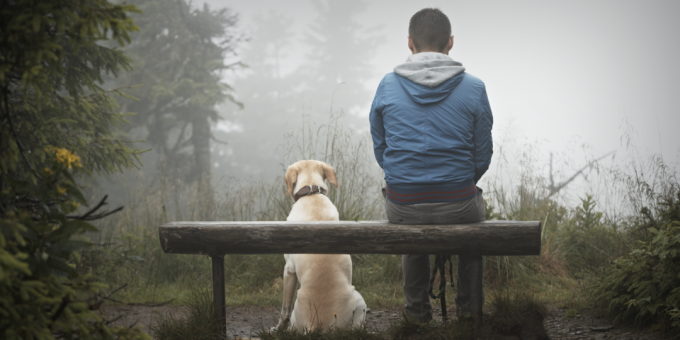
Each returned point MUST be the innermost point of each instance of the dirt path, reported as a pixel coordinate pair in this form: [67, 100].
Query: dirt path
[241, 321]
[591, 327]
[247, 320]
[139, 315]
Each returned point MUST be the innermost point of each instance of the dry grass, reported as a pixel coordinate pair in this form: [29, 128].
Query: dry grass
[576, 241]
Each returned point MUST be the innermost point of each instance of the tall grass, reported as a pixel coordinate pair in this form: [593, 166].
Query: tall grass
[578, 238]
[199, 324]
[130, 251]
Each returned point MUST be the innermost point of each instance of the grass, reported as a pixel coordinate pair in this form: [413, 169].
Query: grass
[577, 241]
[199, 324]
[513, 313]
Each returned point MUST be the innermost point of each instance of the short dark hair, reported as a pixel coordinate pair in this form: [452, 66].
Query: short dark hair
[430, 29]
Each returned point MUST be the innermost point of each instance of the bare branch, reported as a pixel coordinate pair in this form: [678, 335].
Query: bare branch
[554, 189]
[90, 216]
[100, 301]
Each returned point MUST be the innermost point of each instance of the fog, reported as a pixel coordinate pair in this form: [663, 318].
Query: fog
[577, 79]
[564, 75]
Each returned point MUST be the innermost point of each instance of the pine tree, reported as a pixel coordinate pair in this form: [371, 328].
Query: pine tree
[57, 122]
[268, 99]
[179, 58]
[341, 50]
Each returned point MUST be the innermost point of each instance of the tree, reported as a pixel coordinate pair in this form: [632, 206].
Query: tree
[179, 58]
[341, 50]
[57, 122]
[268, 98]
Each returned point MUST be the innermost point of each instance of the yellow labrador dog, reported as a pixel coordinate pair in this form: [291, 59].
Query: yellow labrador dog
[326, 297]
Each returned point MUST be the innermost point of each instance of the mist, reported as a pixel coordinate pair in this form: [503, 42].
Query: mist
[571, 78]
[568, 83]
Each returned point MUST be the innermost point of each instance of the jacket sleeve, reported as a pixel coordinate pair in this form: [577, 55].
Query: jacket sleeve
[377, 127]
[482, 137]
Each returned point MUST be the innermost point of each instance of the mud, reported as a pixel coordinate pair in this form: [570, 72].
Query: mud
[242, 321]
[246, 321]
[590, 326]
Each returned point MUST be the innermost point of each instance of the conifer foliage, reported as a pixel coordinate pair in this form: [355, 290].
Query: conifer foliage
[179, 58]
[644, 286]
[56, 123]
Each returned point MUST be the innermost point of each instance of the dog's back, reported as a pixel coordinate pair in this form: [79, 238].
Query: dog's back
[326, 297]
[324, 278]
[313, 208]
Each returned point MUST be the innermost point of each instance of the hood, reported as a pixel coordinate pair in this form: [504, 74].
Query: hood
[429, 77]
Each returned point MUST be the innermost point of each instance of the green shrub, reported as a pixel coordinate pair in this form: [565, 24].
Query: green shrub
[57, 122]
[587, 243]
[41, 294]
[644, 286]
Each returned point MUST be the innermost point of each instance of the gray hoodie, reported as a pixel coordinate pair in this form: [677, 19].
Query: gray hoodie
[430, 69]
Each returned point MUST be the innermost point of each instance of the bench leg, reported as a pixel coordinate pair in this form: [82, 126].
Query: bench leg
[476, 272]
[476, 286]
[218, 289]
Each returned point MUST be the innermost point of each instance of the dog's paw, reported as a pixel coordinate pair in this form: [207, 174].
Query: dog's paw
[283, 324]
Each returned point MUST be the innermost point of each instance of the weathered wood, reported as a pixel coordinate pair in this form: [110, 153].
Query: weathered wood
[218, 289]
[348, 237]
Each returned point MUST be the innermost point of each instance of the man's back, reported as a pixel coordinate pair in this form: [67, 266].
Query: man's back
[431, 127]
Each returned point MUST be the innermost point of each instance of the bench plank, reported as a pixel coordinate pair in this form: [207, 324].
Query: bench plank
[349, 237]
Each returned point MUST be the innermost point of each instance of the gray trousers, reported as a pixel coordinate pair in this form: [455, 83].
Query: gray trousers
[417, 267]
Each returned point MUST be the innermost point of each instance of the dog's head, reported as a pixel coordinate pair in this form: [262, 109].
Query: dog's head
[304, 173]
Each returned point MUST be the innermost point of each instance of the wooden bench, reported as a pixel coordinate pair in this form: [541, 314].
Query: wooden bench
[345, 237]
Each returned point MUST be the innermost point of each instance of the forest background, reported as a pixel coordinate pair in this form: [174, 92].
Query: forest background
[223, 112]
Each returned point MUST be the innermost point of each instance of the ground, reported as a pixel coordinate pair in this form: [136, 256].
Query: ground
[246, 320]
[589, 326]
[241, 321]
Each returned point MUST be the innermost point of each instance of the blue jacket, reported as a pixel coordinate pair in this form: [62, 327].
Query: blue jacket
[434, 143]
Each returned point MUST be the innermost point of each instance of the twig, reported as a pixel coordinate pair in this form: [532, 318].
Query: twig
[99, 205]
[64, 301]
[104, 214]
[99, 303]
[88, 216]
[114, 320]
[112, 299]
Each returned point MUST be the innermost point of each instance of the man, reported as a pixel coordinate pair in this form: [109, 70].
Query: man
[431, 128]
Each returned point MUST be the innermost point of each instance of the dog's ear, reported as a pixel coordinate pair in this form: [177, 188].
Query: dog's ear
[291, 179]
[329, 174]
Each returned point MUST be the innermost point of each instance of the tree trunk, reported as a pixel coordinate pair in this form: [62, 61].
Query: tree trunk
[200, 138]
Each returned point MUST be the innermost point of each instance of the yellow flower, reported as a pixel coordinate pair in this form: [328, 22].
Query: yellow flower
[66, 157]
[60, 190]
[49, 172]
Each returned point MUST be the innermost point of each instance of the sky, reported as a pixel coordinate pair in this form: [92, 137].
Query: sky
[567, 77]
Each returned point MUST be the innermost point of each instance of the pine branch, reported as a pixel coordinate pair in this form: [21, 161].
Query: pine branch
[16, 138]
